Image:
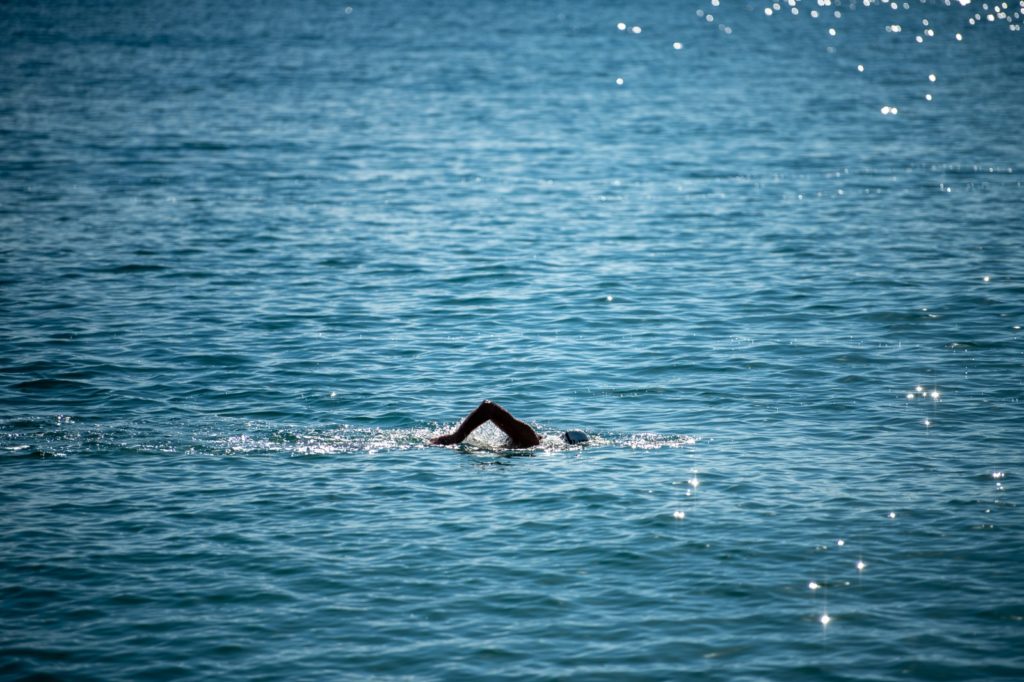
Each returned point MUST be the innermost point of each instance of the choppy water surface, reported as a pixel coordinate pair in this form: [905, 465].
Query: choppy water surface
[253, 256]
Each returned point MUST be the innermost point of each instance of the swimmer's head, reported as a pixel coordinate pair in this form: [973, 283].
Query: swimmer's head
[575, 437]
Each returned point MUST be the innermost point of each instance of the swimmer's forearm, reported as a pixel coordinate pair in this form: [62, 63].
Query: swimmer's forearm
[448, 439]
[474, 419]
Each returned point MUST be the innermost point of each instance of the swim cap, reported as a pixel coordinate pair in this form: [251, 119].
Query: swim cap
[575, 437]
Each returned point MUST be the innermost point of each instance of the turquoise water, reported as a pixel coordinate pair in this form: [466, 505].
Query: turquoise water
[255, 255]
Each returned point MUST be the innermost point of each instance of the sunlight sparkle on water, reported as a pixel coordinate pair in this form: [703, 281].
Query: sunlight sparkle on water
[709, 127]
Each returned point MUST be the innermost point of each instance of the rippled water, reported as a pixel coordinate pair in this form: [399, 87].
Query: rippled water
[255, 255]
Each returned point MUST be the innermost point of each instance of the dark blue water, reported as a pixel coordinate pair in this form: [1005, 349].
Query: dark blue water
[254, 255]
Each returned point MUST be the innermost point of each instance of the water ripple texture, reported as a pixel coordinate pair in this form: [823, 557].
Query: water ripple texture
[769, 255]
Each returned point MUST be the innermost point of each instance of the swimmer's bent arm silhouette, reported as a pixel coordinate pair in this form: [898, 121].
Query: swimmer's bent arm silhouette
[520, 433]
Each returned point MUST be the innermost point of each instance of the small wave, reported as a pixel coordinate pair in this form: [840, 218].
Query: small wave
[61, 435]
[652, 441]
[49, 384]
[205, 146]
[486, 440]
[339, 441]
[130, 268]
[37, 454]
[217, 359]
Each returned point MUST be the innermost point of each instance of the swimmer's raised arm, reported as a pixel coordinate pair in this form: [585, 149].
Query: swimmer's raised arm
[519, 432]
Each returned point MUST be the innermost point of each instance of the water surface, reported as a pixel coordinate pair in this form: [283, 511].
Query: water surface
[255, 256]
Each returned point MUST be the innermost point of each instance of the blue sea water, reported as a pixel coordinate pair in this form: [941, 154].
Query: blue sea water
[253, 255]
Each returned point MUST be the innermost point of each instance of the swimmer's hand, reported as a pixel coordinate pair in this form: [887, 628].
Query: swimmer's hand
[448, 439]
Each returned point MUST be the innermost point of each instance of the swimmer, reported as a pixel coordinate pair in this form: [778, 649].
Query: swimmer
[520, 434]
